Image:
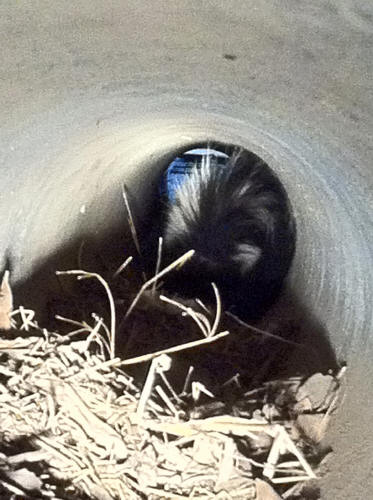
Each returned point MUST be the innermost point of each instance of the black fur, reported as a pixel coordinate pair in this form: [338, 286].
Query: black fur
[239, 221]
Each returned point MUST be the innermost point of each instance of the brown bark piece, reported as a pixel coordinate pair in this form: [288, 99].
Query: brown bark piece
[6, 302]
[264, 491]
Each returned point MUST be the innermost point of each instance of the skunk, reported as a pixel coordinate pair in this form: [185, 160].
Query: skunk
[240, 223]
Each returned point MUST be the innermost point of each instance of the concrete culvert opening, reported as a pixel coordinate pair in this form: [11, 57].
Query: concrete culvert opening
[273, 357]
[105, 93]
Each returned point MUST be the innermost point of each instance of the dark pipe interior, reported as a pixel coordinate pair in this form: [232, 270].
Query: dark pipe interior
[289, 317]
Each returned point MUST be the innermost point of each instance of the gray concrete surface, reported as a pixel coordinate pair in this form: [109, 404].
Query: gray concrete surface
[93, 93]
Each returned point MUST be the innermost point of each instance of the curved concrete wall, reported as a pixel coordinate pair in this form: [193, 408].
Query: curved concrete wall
[96, 93]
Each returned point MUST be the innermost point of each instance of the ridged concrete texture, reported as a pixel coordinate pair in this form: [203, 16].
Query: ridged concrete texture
[96, 93]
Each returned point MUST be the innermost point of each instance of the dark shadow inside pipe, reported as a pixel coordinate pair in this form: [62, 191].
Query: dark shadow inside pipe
[103, 253]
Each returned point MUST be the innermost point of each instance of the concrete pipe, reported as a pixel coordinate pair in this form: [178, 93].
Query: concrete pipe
[94, 94]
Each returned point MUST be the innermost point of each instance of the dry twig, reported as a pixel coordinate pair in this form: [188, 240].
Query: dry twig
[85, 274]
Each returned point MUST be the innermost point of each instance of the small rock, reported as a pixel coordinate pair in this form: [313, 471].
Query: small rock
[319, 389]
[264, 491]
[313, 426]
[303, 406]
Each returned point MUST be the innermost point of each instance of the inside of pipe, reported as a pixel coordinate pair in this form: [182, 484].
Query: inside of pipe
[297, 343]
[304, 348]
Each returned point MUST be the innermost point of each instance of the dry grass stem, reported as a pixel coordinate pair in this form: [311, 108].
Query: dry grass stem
[177, 263]
[204, 326]
[158, 264]
[158, 364]
[98, 431]
[262, 332]
[170, 388]
[218, 311]
[198, 389]
[132, 226]
[95, 336]
[27, 318]
[202, 305]
[201, 320]
[187, 379]
[167, 401]
[182, 347]
[85, 328]
[123, 266]
[81, 324]
[130, 220]
[85, 274]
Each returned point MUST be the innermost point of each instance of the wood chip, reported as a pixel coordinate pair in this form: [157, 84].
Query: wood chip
[6, 302]
[264, 491]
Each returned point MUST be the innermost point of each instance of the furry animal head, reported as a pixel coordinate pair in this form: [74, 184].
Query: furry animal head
[239, 221]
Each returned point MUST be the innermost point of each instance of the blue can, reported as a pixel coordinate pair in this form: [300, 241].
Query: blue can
[183, 166]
